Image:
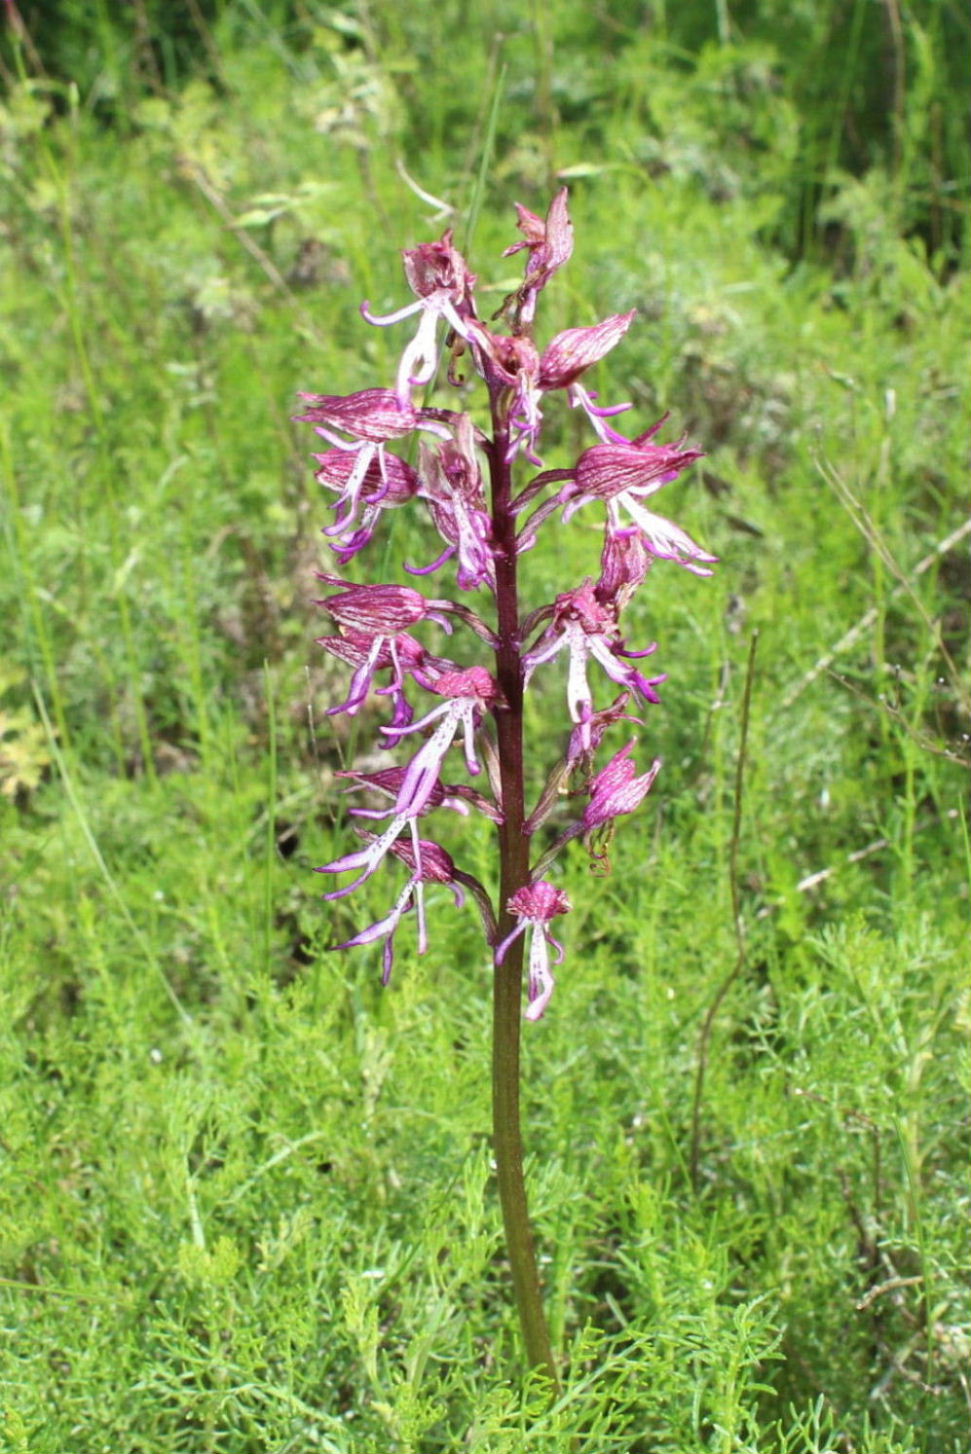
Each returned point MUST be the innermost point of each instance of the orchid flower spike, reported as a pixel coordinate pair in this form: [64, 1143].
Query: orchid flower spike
[462, 464]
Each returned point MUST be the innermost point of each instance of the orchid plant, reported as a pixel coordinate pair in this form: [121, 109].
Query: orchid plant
[464, 476]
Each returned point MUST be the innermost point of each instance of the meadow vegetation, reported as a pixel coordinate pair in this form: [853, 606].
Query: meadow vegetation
[245, 1192]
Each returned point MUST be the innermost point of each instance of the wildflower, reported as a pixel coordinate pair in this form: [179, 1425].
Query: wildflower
[617, 789]
[623, 475]
[453, 491]
[429, 863]
[401, 653]
[382, 484]
[584, 627]
[550, 245]
[535, 905]
[484, 538]
[437, 273]
[372, 417]
[374, 623]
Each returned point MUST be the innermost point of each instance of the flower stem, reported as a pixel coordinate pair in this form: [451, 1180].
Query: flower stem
[514, 874]
[508, 1147]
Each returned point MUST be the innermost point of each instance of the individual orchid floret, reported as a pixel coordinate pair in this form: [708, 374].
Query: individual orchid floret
[584, 741]
[585, 627]
[550, 245]
[384, 484]
[437, 273]
[452, 488]
[535, 905]
[467, 694]
[623, 475]
[624, 563]
[571, 353]
[380, 614]
[416, 796]
[402, 654]
[617, 789]
[389, 609]
[372, 417]
[428, 863]
[433, 268]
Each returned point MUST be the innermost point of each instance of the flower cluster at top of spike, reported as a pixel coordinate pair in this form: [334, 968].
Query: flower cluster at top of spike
[378, 628]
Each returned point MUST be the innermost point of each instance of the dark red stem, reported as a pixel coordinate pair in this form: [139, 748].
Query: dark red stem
[514, 873]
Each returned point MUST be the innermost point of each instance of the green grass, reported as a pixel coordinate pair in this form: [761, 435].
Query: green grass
[245, 1193]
